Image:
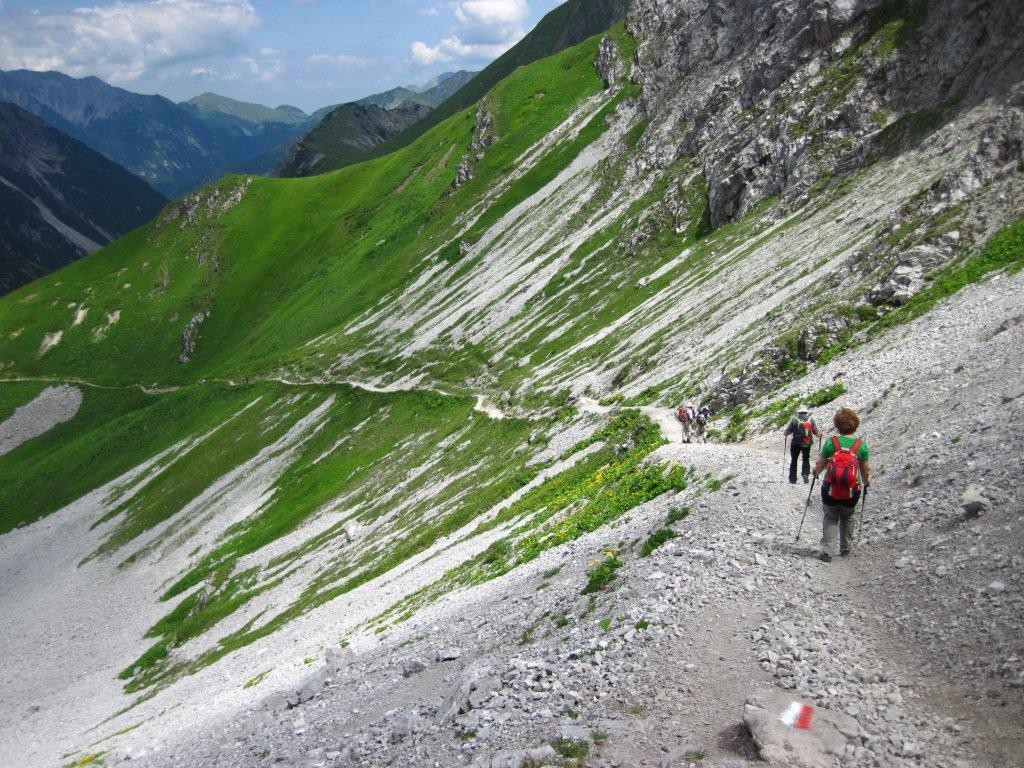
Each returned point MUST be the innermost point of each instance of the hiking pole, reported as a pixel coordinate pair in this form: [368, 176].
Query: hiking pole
[806, 507]
[785, 467]
[863, 504]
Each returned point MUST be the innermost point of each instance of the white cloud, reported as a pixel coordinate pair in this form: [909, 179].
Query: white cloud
[340, 60]
[121, 41]
[486, 29]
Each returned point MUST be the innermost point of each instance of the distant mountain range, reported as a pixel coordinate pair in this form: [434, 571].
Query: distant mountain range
[430, 94]
[352, 130]
[567, 25]
[59, 199]
[179, 147]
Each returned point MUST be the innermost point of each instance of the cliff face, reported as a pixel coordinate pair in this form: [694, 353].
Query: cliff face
[773, 97]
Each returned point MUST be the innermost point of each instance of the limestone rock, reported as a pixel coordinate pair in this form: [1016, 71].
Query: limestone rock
[608, 62]
[816, 746]
[413, 666]
[974, 501]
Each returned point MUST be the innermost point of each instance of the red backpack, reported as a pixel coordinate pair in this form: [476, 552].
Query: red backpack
[683, 414]
[806, 433]
[842, 478]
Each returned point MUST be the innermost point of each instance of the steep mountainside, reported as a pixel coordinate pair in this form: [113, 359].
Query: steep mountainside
[61, 200]
[372, 467]
[567, 25]
[173, 147]
[346, 135]
[348, 132]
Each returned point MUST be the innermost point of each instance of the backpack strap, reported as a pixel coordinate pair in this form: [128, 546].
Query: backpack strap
[856, 446]
[836, 447]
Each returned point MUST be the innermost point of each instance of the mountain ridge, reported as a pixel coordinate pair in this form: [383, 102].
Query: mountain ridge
[61, 199]
[568, 24]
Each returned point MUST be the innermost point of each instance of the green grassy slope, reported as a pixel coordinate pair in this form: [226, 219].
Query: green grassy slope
[297, 258]
[294, 260]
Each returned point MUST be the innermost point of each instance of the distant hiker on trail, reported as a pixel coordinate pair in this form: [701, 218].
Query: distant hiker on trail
[687, 416]
[701, 422]
[804, 430]
[846, 459]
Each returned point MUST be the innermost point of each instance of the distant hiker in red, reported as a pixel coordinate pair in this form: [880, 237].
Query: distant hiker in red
[686, 415]
[804, 430]
[844, 457]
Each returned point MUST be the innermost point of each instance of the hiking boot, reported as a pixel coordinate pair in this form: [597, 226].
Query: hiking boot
[825, 557]
[845, 553]
[792, 480]
[807, 479]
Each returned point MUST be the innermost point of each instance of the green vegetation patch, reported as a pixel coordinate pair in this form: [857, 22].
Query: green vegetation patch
[655, 540]
[14, 394]
[601, 575]
[595, 491]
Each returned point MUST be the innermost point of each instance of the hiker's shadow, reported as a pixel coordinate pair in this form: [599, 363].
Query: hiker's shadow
[799, 548]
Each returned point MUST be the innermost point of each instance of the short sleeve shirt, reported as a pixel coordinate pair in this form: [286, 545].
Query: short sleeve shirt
[845, 441]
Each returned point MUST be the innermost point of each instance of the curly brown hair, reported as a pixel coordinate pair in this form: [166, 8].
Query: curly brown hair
[847, 421]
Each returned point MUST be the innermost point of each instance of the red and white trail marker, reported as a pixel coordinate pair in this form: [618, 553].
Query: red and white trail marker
[797, 715]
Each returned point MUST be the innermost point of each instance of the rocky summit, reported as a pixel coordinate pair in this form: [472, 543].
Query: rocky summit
[382, 466]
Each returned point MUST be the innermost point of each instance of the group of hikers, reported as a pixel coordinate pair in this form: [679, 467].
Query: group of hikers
[694, 421]
[843, 458]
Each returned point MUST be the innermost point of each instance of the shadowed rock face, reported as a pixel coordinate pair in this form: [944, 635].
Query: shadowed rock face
[349, 131]
[60, 200]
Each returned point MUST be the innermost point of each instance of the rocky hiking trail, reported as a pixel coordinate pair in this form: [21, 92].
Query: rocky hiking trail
[731, 611]
[910, 647]
[912, 644]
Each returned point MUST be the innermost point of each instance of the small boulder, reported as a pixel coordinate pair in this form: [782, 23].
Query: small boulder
[449, 654]
[788, 731]
[412, 667]
[679, 756]
[974, 501]
[995, 588]
[521, 757]
[572, 732]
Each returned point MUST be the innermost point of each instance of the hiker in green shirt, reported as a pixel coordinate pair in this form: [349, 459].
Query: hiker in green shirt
[845, 459]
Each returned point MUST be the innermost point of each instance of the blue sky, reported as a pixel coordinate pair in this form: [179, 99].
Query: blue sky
[308, 53]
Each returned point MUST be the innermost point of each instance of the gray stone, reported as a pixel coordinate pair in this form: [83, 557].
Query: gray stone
[413, 666]
[609, 63]
[520, 757]
[995, 588]
[974, 501]
[815, 747]
[679, 756]
[573, 732]
[449, 654]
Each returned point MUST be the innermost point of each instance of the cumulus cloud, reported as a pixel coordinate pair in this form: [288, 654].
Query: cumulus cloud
[486, 29]
[122, 42]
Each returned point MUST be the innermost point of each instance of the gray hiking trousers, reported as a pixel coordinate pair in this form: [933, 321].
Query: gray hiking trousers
[840, 522]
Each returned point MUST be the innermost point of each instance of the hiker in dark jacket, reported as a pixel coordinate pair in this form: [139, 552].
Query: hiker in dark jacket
[804, 430]
[844, 457]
